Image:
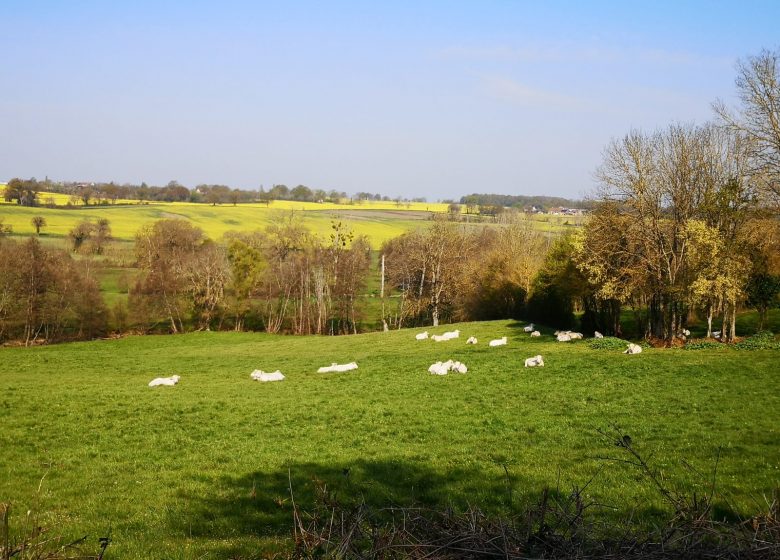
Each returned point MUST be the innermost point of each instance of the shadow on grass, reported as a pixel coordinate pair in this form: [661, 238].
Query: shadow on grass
[253, 513]
[259, 504]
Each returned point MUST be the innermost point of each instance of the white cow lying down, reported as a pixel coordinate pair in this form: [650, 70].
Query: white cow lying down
[472, 340]
[535, 361]
[159, 381]
[633, 349]
[259, 375]
[442, 368]
[334, 367]
[529, 328]
[597, 334]
[498, 342]
[536, 333]
[421, 336]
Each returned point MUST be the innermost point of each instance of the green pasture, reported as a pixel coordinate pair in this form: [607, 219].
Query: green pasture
[203, 469]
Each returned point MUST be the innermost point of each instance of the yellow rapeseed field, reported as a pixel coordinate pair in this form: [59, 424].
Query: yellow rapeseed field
[379, 221]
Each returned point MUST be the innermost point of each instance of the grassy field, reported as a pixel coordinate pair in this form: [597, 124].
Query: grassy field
[200, 470]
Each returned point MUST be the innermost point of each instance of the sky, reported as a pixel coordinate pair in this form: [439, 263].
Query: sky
[433, 99]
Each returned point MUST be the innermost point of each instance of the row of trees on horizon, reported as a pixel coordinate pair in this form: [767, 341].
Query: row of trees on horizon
[26, 192]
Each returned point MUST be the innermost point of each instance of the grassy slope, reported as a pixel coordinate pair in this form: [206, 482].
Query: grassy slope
[171, 471]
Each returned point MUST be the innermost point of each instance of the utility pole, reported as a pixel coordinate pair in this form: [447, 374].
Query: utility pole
[382, 295]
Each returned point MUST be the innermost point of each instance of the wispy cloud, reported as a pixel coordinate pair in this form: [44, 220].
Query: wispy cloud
[594, 54]
[502, 53]
[513, 91]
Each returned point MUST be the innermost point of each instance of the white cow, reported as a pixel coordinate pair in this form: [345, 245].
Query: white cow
[529, 328]
[563, 337]
[597, 334]
[334, 367]
[536, 333]
[264, 377]
[160, 381]
[633, 349]
[498, 342]
[421, 336]
[451, 334]
[535, 361]
[472, 340]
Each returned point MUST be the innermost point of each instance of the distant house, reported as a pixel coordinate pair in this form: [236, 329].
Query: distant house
[561, 211]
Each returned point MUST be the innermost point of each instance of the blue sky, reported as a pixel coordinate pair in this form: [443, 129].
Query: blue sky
[434, 99]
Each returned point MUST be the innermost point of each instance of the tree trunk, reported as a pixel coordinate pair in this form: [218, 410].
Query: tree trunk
[733, 329]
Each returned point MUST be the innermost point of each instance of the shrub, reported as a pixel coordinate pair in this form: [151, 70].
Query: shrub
[608, 343]
[762, 340]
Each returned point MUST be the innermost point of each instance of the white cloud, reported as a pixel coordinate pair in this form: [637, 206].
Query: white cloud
[513, 91]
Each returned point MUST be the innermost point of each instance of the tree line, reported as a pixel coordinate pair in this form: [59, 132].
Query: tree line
[685, 219]
[26, 192]
[280, 279]
[474, 201]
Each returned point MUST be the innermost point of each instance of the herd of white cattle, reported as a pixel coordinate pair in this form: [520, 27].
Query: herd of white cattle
[438, 368]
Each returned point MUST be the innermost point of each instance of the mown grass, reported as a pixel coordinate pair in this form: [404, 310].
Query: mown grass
[201, 469]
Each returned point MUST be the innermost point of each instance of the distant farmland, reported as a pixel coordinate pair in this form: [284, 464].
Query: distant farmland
[379, 221]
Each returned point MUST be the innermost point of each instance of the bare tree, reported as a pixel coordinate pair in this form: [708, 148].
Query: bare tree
[426, 267]
[207, 273]
[163, 250]
[44, 293]
[497, 279]
[654, 190]
[758, 117]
